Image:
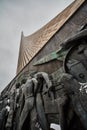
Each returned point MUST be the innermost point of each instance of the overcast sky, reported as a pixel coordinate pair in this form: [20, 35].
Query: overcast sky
[21, 15]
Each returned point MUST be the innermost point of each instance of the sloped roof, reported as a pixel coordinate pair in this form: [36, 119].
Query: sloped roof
[32, 44]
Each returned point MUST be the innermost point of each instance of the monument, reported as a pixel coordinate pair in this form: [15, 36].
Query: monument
[51, 81]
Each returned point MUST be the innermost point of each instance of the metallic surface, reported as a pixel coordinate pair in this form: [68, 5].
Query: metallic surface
[32, 44]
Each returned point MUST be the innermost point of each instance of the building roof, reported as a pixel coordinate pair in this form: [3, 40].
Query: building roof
[32, 44]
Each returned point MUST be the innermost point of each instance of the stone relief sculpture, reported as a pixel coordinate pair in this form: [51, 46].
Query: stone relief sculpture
[58, 98]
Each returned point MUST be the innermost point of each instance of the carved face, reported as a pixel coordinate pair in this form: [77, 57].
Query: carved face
[76, 62]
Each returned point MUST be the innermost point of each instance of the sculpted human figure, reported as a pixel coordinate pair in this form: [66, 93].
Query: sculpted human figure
[42, 79]
[21, 97]
[16, 105]
[28, 93]
[17, 95]
[9, 122]
[45, 77]
[72, 86]
[3, 115]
